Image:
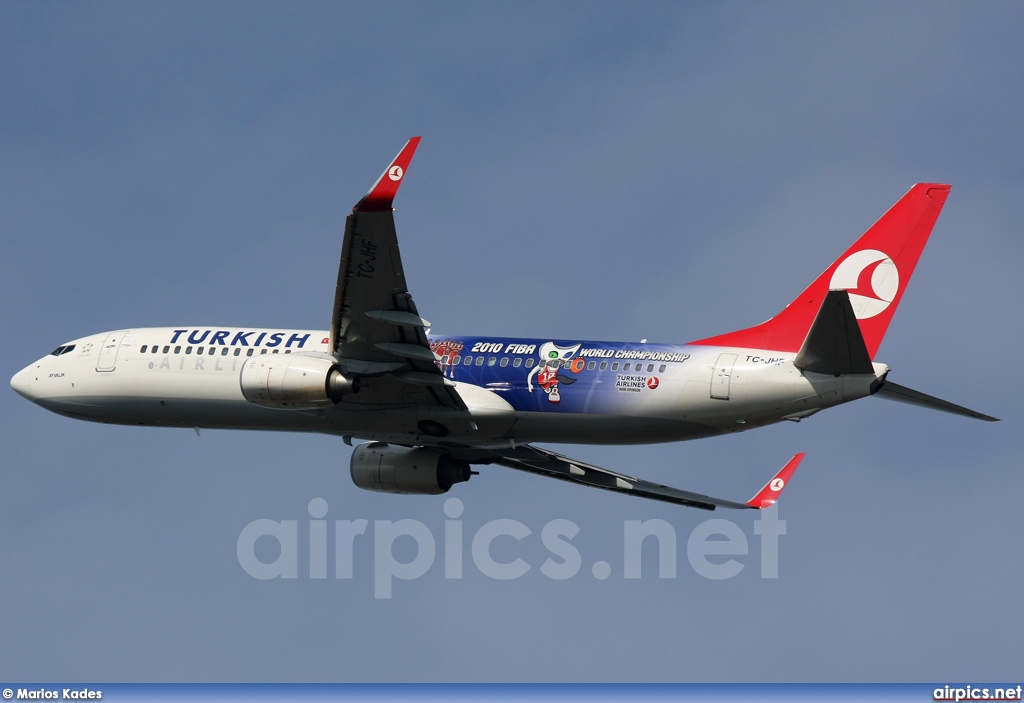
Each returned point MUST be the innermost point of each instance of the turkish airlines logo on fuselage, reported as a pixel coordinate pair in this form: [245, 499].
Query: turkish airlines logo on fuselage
[872, 280]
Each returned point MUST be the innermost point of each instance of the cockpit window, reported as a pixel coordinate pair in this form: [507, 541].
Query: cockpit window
[62, 350]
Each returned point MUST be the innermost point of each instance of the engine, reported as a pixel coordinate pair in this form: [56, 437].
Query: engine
[294, 381]
[377, 466]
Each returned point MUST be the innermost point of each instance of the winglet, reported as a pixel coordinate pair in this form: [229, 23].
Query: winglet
[382, 194]
[767, 496]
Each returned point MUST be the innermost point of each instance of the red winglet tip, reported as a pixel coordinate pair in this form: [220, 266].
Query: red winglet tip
[768, 495]
[382, 194]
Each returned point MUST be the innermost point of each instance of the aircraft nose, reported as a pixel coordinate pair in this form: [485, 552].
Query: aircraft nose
[22, 383]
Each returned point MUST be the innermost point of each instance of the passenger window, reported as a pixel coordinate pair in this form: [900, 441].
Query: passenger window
[248, 352]
[529, 362]
[156, 348]
[661, 369]
[479, 361]
[188, 350]
[213, 350]
[143, 350]
[650, 368]
[467, 360]
[224, 352]
[455, 360]
[263, 351]
[274, 352]
[625, 367]
[237, 351]
[177, 349]
[199, 351]
[517, 362]
[492, 361]
[504, 361]
[604, 365]
[615, 366]
[591, 365]
[287, 351]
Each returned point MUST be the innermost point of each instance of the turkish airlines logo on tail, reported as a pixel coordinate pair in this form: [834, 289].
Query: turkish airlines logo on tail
[872, 280]
[395, 173]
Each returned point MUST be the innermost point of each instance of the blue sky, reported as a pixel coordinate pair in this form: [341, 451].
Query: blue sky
[588, 170]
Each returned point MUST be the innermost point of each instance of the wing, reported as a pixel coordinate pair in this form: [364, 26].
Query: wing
[377, 333]
[548, 463]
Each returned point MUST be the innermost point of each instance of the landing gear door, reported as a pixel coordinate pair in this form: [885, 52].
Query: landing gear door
[108, 352]
[721, 375]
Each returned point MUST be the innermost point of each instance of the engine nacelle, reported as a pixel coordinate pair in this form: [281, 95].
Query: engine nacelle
[377, 466]
[294, 381]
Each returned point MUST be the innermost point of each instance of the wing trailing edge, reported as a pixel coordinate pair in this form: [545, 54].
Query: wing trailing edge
[547, 463]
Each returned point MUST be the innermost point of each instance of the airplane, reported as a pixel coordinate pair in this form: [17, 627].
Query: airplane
[432, 406]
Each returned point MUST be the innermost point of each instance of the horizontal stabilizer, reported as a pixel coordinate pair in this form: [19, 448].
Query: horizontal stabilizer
[834, 345]
[902, 394]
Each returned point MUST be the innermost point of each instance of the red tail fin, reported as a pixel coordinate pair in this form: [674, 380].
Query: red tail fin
[875, 270]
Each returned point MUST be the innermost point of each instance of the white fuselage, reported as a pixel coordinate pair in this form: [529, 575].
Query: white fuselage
[154, 376]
